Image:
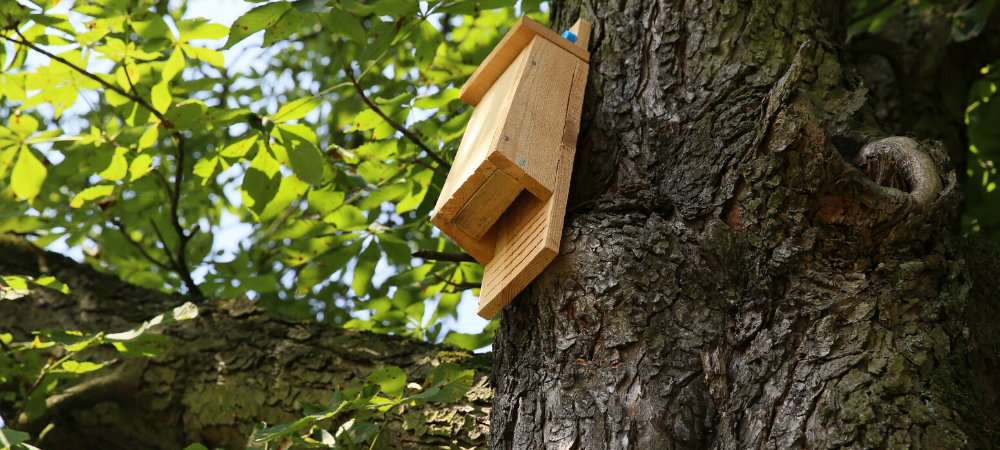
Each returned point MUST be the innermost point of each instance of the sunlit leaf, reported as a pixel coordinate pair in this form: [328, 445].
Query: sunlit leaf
[91, 193]
[256, 19]
[28, 175]
[391, 380]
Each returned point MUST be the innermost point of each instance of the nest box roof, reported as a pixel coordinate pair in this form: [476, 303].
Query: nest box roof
[506, 51]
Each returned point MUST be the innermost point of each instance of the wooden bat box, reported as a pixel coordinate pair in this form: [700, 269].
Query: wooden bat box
[505, 197]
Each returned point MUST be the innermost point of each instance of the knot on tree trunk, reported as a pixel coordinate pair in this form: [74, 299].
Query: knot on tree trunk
[900, 163]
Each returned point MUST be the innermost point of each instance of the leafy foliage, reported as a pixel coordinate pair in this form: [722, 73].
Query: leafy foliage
[137, 141]
[982, 116]
[46, 365]
[126, 133]
[384, 390]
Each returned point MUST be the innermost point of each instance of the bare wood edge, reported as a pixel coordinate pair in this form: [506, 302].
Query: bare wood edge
[582, 31]
[487, 204]
[468, 187]
[492, 300]
[507, 50]
[482, 249]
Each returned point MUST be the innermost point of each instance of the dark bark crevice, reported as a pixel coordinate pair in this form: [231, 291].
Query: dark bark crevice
[752, 288]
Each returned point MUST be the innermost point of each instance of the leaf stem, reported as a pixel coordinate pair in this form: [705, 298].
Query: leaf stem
[24, 41]
[440, 256]
[409, 134]
[121, 229]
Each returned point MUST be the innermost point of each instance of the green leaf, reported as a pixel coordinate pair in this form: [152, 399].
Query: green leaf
[366, 120]
[290, 189]
[196, 447]
[161, 97]
[357, 432]
[256, 19]
[52, 283]
[238, 149]
[326, 265]
[261, 182]
[428, 40]
[79, 367]
[296, 109]
[135, 342]
[150, 29]
[118, 167]
[289, 23]
[385, 194]
[28, 175]
[140, 166]
[469, 341]
[391, 380]
[9, 438]
[200, 29]
[446, 383]
[365, 269]
[23, 125]
[396, 249]
[342, 23]
[324, 201]
[306, 160]
[347, 218]
[395, 8]
[149, 137]
[173, 66]
[205, 168]
[212, 57]
[437, 100]
[143, 346]
[91, 193]
[310, 6]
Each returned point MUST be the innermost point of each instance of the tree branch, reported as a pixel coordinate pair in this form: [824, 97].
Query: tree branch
[409, 135]
[182, 237]
[459, 287]
[431, 255]
[180, 265]
[23, 41]
[121, 229]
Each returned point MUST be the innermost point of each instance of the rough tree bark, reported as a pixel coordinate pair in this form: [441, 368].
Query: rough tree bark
[727, 279]
[222, 373]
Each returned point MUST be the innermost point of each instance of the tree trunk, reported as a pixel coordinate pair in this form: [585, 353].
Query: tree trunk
[727, 279]
[231, 368]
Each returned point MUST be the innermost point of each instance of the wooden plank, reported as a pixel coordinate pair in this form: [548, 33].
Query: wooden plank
[530, 231]
[487, 204]
[527, 149]
[471, 169]
[482, 249]
[506, 51]
[582, 31]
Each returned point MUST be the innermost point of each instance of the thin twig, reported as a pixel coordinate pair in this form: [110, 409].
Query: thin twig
[163, 179]
[163, 241]
[38, 382]
[23, 41]
[459, 287]
[431, 255]
[180, 265]
[409, 135]
[121, 229]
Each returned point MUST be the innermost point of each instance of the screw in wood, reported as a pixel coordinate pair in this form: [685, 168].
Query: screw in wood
[532, 63]
[520, 161]
[506, 138]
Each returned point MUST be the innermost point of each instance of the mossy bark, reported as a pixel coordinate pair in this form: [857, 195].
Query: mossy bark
[231, 368]
[727, 279]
